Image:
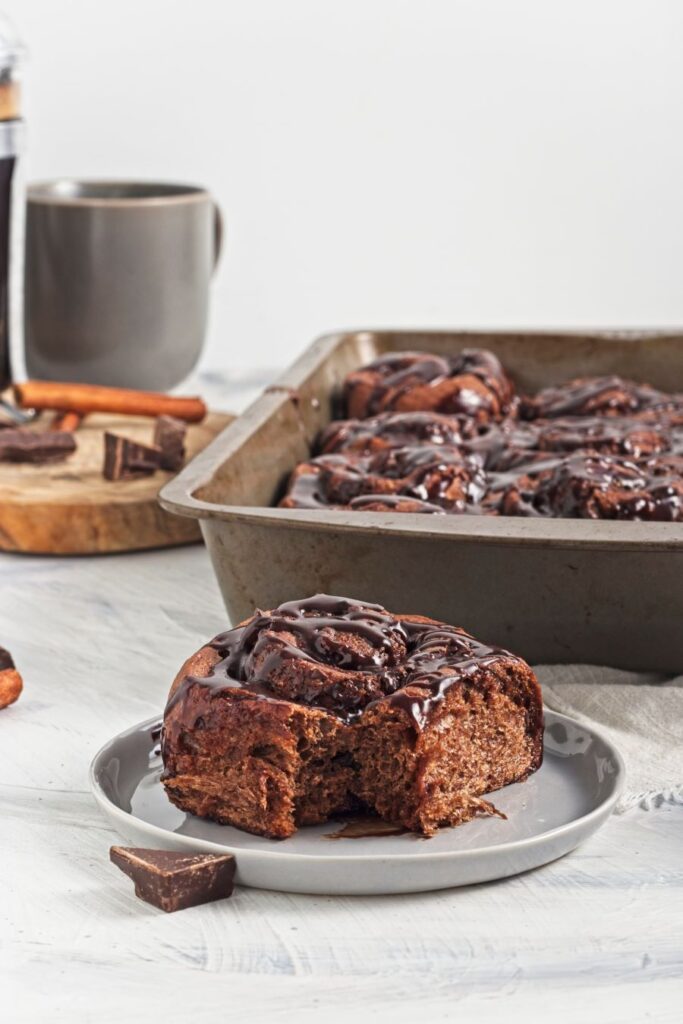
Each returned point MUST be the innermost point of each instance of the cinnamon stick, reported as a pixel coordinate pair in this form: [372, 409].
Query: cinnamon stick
[86, 398]
[66, 422]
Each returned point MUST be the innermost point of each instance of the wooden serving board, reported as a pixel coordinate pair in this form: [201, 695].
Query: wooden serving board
[68, 508]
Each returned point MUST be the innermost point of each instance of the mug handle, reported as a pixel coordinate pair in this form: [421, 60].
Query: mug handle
[217, 234]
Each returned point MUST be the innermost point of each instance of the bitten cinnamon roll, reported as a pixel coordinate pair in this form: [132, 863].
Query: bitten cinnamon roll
[328, 704]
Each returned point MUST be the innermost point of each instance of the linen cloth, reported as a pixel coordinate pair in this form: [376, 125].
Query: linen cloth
[642, 714]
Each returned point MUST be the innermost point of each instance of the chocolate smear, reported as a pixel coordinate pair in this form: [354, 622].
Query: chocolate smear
[367, 827]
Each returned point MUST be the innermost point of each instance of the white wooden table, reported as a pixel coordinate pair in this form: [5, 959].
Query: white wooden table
[597, 936]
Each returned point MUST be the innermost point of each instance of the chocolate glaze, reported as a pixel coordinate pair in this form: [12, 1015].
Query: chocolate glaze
[399, 373]
[606, 396]
[395, 375]
[592, 486]
[440, 655]
[443, 477]
[390, 430]
[411, 664]
[591, 448]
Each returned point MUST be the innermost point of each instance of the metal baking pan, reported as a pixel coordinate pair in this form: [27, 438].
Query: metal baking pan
[558, 590]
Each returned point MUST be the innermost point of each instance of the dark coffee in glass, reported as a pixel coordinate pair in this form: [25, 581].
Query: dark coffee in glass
[7, 166]
[11, 193]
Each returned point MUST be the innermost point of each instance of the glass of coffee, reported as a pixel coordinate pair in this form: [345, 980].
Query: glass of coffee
[11, 195]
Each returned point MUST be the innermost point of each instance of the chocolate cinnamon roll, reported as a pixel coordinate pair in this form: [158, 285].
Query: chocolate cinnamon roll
[330, 704]
[593, 447]
[471, 386]
[593, 486]
[598, 396]
[610, 435]
[430, 475]
[390, 430]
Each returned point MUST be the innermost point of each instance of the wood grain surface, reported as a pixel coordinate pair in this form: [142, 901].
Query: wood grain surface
[68, 508]
[596, 936]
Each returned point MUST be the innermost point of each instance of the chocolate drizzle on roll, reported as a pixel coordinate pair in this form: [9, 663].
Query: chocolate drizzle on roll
[439, 656]
[463, 443]
[470, 384]
[330, 706]
[602, 396]
[343, 656]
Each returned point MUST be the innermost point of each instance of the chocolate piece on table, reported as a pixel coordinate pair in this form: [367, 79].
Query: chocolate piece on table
[19, 445]
[125, 459]
[172, 880]
[169, 436]
[11, 683]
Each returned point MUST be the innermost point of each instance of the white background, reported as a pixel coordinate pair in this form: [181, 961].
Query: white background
[387, 162]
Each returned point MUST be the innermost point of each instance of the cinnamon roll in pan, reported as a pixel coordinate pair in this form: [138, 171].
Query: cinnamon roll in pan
[593, 447]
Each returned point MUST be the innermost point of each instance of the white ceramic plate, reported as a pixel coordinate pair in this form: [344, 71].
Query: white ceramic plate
[549, 815]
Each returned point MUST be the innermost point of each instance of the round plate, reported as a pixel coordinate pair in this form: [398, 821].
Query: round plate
[547, 816]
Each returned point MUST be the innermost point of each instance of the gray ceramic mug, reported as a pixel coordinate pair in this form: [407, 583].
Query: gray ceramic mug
[117, 281]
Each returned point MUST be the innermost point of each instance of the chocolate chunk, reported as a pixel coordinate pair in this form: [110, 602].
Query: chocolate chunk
[11, 683]
[125, 459]
[172, 880]
[30, 446]
[169, 436]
